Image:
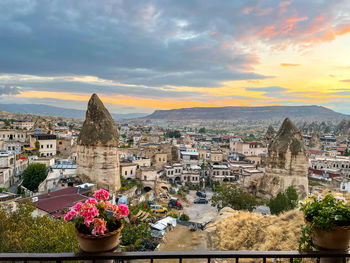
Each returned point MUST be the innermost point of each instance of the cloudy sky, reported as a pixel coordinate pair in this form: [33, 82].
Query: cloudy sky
[144, 55]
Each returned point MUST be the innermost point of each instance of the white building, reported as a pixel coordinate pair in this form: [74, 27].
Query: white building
[128, 170]
[13, 135]
[173, 171]
[55, 173]
[192, 177]
[27, 125]
[337, 164]
[47, 143]
[189, 158]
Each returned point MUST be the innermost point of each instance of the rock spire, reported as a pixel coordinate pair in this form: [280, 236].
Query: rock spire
[98, 128]
[286, 162]
[97, 148]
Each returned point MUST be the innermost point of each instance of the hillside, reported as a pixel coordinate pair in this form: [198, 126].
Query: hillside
[246, 113]
[41, 109]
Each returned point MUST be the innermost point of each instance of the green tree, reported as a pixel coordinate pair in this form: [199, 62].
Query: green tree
[278, 204]
[135, 237]
[173, 134]
[33, 175]
[230, 195]
[22, 233]
[292, 196]
[202, 130]
[284, 201]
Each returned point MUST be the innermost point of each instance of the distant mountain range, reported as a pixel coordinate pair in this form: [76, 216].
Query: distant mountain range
[247, 113]
[41, 109]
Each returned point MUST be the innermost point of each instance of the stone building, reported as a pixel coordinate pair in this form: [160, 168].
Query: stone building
[98, 158]
[286, 163]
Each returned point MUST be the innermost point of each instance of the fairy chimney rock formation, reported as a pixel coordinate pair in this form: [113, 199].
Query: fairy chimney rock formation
[315, 142]
[286, 163]
[270, 134]
[97, 147]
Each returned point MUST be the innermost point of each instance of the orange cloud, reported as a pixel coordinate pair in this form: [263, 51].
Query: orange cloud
[284, 4]
[289, 65]
[343, 30]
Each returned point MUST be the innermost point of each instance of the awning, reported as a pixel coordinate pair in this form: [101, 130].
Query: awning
[29, 148]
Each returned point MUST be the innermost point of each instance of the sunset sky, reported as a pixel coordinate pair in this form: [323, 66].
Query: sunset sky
[139, 56]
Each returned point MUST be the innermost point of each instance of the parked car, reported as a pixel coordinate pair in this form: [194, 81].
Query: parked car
[174, 203]
[201, 201]
[158, 209]
[201, 194]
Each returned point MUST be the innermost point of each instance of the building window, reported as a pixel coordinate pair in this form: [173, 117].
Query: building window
[130, 172]
[126, 172]
[42, 146]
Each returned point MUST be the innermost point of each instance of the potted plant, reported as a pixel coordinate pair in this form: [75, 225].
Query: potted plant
[98, 222]
[327, 224]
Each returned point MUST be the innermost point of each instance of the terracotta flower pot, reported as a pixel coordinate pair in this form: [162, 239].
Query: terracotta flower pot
[338, 239]
[99, 243]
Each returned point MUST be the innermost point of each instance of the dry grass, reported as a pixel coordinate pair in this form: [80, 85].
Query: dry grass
[251, 231]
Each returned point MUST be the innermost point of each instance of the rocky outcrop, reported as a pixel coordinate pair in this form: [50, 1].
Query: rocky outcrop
[98, 158]
[286, 163]
[270, 134]
[315, 142]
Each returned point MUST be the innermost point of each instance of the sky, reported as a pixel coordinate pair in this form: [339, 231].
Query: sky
[139, 56]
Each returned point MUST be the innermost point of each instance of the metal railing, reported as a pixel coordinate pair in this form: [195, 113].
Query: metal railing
[208, 256]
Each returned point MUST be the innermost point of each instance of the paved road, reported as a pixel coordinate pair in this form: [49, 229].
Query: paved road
[200, 213]
[13, 188]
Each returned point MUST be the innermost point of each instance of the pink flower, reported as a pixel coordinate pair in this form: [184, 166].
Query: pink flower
[99, 226]
[77, 207]
[124, 210]
[91, 201]
[89, 213]
[70, 215]
[101, 194]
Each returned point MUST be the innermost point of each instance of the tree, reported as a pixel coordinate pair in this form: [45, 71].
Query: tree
[135, 237]
[37, 148]
[22, 233]
[202, 130]
[231, 196]
[278, 204]
[33, 175]
[173, 134]
[292, 196]
[284, 201]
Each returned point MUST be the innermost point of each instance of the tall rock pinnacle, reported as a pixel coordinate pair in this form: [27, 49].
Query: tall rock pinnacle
[286, 163]
[270, 134]
[97, 149]
[288, 137]
[98, 128]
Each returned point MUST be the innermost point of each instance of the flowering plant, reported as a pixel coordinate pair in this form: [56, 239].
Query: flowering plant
[97, 215]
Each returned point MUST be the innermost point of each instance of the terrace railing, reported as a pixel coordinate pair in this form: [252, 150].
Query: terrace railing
[180, 256]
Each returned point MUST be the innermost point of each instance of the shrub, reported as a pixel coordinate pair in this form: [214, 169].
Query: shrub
[184, 217]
